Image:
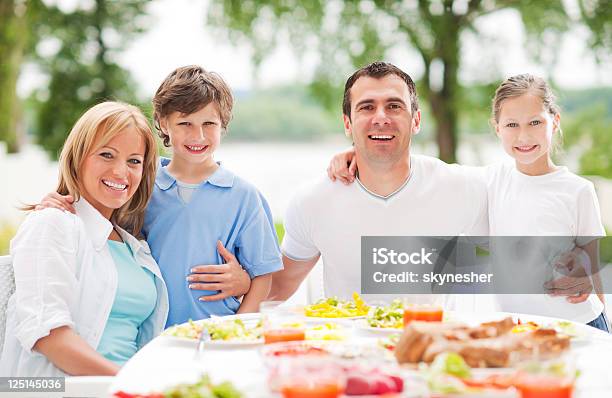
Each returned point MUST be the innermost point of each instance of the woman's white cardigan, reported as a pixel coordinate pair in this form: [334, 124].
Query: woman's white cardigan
[65, 276]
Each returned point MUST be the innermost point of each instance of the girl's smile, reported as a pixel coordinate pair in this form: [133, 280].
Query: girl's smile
[526, 148]
[526, 130]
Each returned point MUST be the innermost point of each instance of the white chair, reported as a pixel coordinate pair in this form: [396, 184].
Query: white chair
[7, 287]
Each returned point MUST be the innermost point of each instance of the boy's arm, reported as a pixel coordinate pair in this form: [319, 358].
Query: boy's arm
[287, 281]
[260, 287]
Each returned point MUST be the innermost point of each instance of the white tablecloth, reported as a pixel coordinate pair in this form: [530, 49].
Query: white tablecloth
[164, 362]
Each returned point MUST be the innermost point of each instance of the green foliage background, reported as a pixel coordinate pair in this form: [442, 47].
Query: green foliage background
[83, 45]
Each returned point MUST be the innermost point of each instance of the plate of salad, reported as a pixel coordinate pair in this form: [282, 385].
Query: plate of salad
[203, 388]
[384, 319]
[230, 331]
[327, 331]
[333, 307]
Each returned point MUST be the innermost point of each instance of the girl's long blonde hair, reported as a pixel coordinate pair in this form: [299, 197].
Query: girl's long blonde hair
[94, 129]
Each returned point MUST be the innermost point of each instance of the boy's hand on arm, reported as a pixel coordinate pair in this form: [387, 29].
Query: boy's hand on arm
[260, 287]
[343, 166]
[229, 278]
[57, 201]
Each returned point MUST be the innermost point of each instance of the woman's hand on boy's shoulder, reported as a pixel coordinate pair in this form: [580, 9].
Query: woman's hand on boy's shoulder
[57, 201]
[229, 278]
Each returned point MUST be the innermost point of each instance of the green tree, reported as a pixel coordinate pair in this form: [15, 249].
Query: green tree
[351, 33]
[82, 70]
[15, 39]
[281, 114]
[10, 54]
[597, 15]
[591, 128]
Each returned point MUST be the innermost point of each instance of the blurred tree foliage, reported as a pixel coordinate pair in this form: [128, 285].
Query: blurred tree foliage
[592, 129]
[11, 47]
[83, 70]
[15, 17]
[7, 231]
[597, 15]
[351, 33]
[76, 51]
[284, 113]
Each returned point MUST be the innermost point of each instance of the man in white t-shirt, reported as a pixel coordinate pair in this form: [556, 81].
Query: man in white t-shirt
[396, 193]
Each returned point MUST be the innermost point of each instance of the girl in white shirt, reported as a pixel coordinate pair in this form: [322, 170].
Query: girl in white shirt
[88, 293]
[534, 197]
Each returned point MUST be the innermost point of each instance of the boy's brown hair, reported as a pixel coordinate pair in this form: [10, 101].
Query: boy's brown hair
[188, 89]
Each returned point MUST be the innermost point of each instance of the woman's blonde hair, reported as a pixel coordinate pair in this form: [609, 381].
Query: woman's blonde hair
[518, 85]
[94, 129]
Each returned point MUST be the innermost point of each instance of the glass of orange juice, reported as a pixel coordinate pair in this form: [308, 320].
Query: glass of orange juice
[281, 324]
[547, 378]
[422, 312]
[307, 377]
[544, 386]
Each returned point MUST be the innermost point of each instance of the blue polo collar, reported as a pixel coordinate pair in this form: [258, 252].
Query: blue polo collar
[221, 177]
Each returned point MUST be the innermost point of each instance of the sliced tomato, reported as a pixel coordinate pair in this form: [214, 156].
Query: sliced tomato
[122, 394]
[500, 382]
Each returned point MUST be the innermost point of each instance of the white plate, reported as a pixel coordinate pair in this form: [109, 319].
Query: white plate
[183, 341]
[248, 319]
[362, 325]
[321, 319]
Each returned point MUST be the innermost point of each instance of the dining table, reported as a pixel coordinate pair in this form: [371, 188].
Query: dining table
[166, 361]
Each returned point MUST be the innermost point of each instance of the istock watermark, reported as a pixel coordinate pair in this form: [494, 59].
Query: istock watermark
[483, 264]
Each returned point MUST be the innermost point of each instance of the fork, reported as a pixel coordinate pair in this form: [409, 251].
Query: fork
[204, 338]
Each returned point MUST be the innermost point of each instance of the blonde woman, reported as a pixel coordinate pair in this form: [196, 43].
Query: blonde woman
[88, 293]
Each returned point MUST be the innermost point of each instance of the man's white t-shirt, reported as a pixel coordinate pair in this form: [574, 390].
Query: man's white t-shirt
[330, 218]
[555, 204]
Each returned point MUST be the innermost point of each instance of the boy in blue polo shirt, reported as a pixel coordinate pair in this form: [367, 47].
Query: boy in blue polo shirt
[200, 209]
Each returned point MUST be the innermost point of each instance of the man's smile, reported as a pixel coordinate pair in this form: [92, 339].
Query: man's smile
[381, 137]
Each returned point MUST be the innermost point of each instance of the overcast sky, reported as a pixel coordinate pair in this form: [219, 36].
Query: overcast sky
[178, 36]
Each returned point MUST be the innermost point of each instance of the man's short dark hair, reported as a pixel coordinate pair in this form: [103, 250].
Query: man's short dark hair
[379, 70]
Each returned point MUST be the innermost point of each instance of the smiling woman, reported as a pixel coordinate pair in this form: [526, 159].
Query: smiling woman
[112, 173]
[88, 293]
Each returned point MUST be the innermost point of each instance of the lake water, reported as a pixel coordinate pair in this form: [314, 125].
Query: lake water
[277, 169]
